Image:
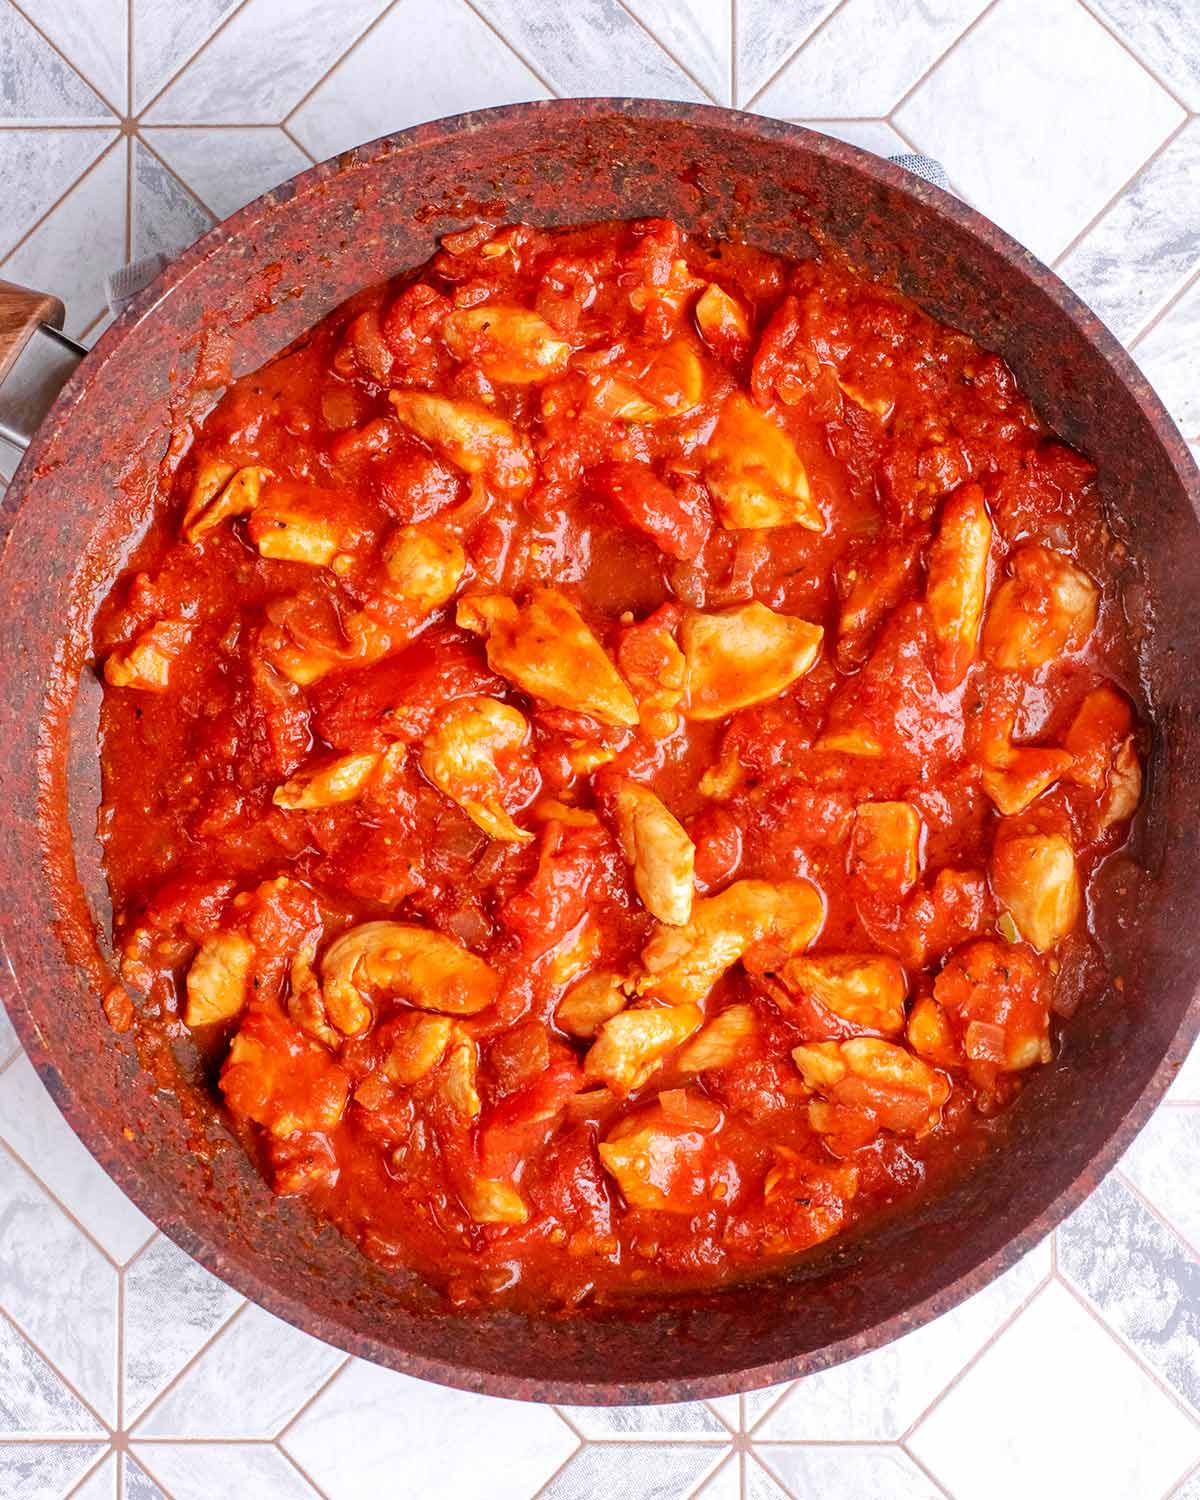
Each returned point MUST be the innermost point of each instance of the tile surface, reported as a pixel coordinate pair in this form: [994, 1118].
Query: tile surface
[129, 125]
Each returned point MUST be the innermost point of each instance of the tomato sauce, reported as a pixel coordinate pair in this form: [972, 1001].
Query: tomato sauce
[607, 743]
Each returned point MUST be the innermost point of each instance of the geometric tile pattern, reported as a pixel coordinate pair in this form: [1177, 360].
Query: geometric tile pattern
[129, 1373]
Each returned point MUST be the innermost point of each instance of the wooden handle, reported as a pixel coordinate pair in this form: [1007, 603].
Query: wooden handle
[21, 310]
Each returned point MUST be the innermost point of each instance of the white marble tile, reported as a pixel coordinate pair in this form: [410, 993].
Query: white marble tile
[166, 216]
[34, 1402]
[165, 36]
[43, 1471]
[1039, 137]
[697, 33]
[589, 47]
[31, 1124]
[92, 214]
[1056, 1398]
[758, 1483]
[38, 85]
[8, 1036]
[758, 1403]
[872, 135]
[1139, 254]
[36, 168]
[206, 1471]
[729, 1409]
[414, 66]
[227, 168]
[263, 61]
[1168, 355]
[879, 1395]
[688, 1419]
[633, 1471]
[1165, 34]
[1164, 1164]
[725, 1483]
[248, 1383]
[138, 1484]
[103, 1483]
[767, 35]
[867, 57]
[92, 34]
[172, 1308]
[1140, 1277]
[58, 1288]
[849, 1473]
[371, 1424]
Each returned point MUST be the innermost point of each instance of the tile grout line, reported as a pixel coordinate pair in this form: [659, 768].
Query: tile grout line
[1178, 1484]
[711, 1473]
[327, 73]
[544, 1488]
[303, 1472]
[750, 1456]
[168, 168]
[794, 54]
[1166, 308]
[189, 1364]
[191, 58]
[308, 1401]
[992, 1339]
[1111, 203]
[129, 59]
[919, 1463]
[942, 56]
[299, 145]
[68, 1214]
[1131, 1353]
[662, 46]
[566, 1421]
[1156, 1213]
[60, 200]
[144, 1465]
[88, 1474]
[53, 45]
[708, 1406]
[1121, 42]
[543, 78]
[771, 1410]
[106, 1433]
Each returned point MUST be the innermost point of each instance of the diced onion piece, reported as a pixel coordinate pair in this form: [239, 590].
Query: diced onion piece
[755, 473]
[743, 656]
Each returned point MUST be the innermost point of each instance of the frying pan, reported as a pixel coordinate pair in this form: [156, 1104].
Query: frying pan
[85, 490]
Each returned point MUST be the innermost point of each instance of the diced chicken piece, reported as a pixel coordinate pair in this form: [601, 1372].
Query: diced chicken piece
[548, 650]
[306, 1004]
[723, 322]
[512, 345]
[631, 1045]
[221, 493]
[1046, 608]
[1105, 759]
[865, 1085]
[755, 473]
[428, 970]
[667, 1165]
[957, 584]
[459, 1077]
[474, 439]
[415, 1043]
[670, 386]
[662, 855]
[723, 1041]
[289, 526]
[995, 997]
[218, 979]
[490, 1201]
[587, 1005]
[723, 778]
[146, 664]
[1034, 875]
[1023, 773]
[422, 568]
[275, 1076]
[743, 656]
[866, 989]
[342, 780]
[683, 963]
[930, 1034]
[885, 846]
[472, 755]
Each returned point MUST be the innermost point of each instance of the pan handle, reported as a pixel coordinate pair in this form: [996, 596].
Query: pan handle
[36, 358]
